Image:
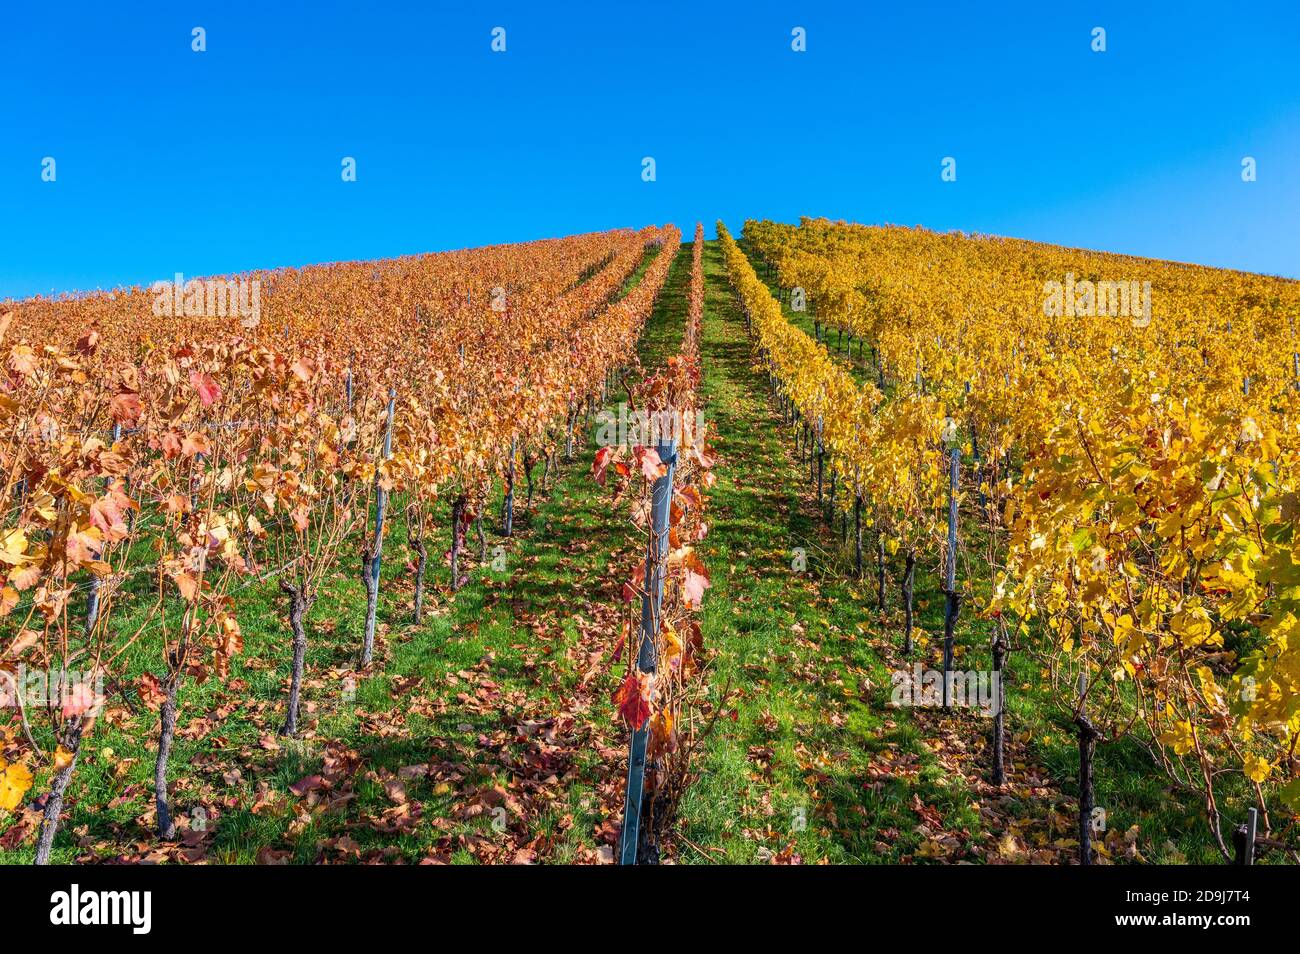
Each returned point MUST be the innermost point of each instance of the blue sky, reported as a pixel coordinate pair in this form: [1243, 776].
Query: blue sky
[170, 160]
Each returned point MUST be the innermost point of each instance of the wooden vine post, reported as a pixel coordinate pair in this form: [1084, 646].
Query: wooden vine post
[857, 533]
[457, 539]
[1088, 736]
[881, 569]
[508, 502]
[371, 574]
[952, 601]
[909, 587]
[1000, 646]
[92, 597]
[651, 605]
[821, 460]
[1244, 838]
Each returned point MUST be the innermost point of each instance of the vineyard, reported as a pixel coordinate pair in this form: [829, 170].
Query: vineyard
[825, 544]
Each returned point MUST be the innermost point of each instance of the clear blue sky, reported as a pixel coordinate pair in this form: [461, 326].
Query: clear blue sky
[170, 160]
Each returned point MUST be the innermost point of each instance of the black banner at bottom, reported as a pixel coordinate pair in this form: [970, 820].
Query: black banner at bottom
[142, 905]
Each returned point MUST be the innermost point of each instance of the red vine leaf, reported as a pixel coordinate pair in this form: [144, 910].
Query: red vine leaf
[632, 699]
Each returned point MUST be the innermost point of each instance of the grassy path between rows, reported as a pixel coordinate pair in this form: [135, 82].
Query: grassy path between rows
[814, 767]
